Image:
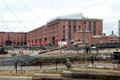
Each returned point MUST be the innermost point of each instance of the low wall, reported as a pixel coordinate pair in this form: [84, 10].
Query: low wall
[92, 74]
[42, 76]
[15, 78]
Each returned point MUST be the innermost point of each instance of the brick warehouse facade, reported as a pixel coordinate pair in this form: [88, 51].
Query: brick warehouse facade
[12, 38]
[64, 28]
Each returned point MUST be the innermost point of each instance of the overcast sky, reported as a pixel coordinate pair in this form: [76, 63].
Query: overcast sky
[25, 15]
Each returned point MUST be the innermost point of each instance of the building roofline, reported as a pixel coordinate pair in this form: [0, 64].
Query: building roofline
[11, 32]
[71, 17]
[65, 17]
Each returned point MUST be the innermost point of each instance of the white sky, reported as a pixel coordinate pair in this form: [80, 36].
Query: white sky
[25, 15]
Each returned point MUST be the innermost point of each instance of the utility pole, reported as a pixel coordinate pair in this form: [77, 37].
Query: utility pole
[83, 29]
[83, 32]
[83, 38]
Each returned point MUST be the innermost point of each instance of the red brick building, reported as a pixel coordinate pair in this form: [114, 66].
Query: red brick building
[105, 39]
[12, 38]
[88, 36]
[65, 28]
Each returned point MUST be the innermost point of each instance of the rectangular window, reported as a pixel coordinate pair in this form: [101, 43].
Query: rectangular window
[74, 26]
[89, 26]
[63, 37]
[69, 30]
[99, 28]
[94, 28]
[64, 32]
[74, 22]
[79, 22]
[79, 27]
[8, 36]
[63, 28]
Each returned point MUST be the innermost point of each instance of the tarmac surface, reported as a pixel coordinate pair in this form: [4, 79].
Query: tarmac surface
[19, 60]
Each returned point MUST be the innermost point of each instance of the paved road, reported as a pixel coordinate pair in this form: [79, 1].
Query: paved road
[10, 61]
[37, 68]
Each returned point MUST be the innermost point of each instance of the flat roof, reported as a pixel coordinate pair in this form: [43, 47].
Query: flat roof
[71, 17]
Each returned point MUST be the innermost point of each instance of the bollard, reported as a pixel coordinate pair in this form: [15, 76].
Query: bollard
[92, 60]
[40, 65]
[56, 64]
[16, 66]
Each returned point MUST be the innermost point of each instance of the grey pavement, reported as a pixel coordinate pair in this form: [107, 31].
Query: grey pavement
[37, 68]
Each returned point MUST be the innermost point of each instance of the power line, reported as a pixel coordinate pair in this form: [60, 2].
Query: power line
[3, 20]
[37, 17]
[5, 4]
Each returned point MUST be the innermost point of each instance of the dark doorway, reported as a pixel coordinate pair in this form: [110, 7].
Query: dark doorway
[53, 40]
[8, 43]
[25, 43]
[40, 41]
[45, 39]
[63, 39]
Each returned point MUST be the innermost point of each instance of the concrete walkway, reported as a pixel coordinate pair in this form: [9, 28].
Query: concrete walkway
[53, 67]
